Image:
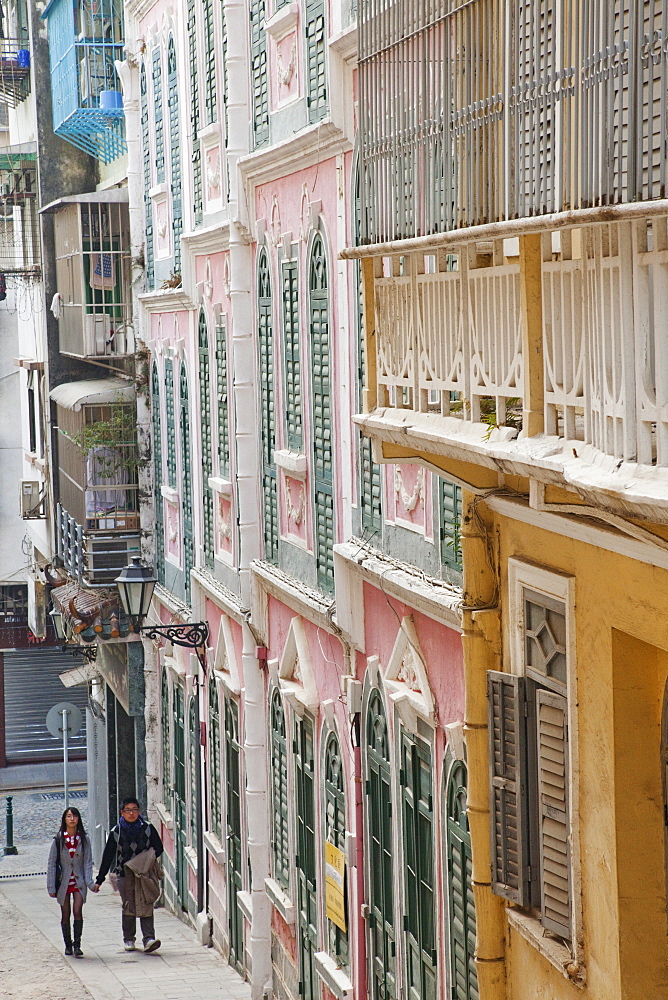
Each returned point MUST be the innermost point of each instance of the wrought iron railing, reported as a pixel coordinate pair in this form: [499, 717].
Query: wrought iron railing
[477, 111]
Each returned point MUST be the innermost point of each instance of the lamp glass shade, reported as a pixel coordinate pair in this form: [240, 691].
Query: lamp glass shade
[56, 617]
[135, 586]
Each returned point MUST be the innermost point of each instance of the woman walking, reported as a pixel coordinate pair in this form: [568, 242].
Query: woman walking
[69, 876]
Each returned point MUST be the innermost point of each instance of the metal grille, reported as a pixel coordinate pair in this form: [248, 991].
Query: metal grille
[206, 437]
[158, 118]
[475, 112]
[335, 833]
[186, 481]
[171, 430]
[268, 411]
[149, 262]
[19, 228]
[210, 95]
[15, 68]
[292, 361]
[316, 97]
[165, 717]
[279, 782]
[223, 401]
[451, 524]
[157, 476]
[259, 76]
[322, 414]
[194, 111]
[175, 154]
[215, 791]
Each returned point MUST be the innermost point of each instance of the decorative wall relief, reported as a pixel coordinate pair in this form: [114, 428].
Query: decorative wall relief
[162, 228]
[213, 174]
[173, 531]
[224, 524]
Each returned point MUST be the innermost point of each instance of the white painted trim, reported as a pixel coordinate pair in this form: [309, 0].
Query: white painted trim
[164, 815]
[280, 900]
[334, 978]
[225, 661]
[166, 300]
[169, 494]
[212, 239]
[245, 901]
[314, 144]
[223, 598]
[301, 692]
[215, 848]
[345, 43]
[292, 462]
[283, 21]
[306, 603]
[408, 701]
[191, 858]
[222, 486]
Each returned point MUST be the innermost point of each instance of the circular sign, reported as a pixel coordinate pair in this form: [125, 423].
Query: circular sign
[54, 719]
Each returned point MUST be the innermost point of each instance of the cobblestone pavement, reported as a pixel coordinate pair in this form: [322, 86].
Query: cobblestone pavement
[37, 813]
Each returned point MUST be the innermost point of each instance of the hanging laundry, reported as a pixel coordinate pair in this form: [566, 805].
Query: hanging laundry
[56, 305]
[102, 270]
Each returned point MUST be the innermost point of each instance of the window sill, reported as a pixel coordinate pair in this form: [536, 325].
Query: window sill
[218, 485]
[158, 190]
[164, 816]
[280, 900]
[293, 463]
[282, 22]
[244, 900]
[333, 976]
[169, 494]
[551, 949]
[191, 858]
[214, 847]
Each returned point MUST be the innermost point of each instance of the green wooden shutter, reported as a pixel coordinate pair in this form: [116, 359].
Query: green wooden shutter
[207, 447]
[553, 818]
[157, 477]
[279, 784]
[166, 744]
[292, 361]
[461, 904]
[175, 154]
[149, 264]
[259, 76]
[158, 118]
[418, 839]
[234, 854]
[223, 23]
[171, 432]
[380, 854]
[193, 750]
[210, 95]
[316, 77]
[451, 524]
[267, 409]
[194, 111]
[307, 908]
[186, 481]
[335, 833]
[179, 744]
[508, 789]
[215, 797]
[322, 415]
[222, 387]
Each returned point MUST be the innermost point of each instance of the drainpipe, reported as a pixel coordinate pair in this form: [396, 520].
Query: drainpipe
[246, 435]
[481, 641]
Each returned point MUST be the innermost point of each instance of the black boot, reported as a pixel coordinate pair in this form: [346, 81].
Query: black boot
[67, 936]
[78, 928]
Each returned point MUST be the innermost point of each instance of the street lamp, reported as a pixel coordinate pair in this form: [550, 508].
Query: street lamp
[135, 587]
[87, 652]
[56, 617]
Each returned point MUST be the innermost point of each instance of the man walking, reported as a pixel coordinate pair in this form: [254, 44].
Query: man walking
[126, 854]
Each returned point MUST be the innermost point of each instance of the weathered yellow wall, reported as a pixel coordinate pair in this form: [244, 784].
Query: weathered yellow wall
[621, 612]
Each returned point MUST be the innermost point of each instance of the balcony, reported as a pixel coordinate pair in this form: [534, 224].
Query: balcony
[92, 245]
[14, 70]
[542, 352]
[19, 225]
[98, 510]
[85, 41]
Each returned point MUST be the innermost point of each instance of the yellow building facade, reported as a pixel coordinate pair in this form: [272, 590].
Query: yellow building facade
[517, 344]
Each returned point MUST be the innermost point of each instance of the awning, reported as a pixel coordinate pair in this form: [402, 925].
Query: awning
[114, 196]
[73, 395]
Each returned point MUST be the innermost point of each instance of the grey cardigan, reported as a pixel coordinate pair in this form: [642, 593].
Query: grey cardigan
[81, 864]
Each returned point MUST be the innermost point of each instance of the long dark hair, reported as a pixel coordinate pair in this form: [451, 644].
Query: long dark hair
[80, 826]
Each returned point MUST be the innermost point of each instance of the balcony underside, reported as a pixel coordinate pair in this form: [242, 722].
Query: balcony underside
[475, 457]
[100, 133]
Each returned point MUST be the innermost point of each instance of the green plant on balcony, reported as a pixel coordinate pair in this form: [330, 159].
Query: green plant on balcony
[512, 418]
[111, 444]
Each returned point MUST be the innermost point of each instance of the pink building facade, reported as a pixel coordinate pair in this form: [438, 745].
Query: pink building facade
[308, 771]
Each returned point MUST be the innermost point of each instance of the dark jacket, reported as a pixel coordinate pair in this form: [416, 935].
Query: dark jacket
[121, 846]
[81, 864]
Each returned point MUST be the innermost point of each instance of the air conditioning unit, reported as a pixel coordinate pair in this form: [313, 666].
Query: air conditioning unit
[32, 503]
[97, 330]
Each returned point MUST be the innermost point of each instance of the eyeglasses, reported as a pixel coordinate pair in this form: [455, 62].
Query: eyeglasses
[130, 809]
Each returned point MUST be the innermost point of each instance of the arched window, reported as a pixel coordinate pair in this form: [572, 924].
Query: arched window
[215, 793]
[267, 408]
[146, 158]
[186, 480]
[170, 428]
[158, 118]
[222, 388]
[461, 904]
[157, 476]
[193, 750]
[166, 741]
[322, 414]
[194, 111]
[279, 784]
[292, 371]
[207, 446]
[335, 834]
[175, 154]
[380, 852]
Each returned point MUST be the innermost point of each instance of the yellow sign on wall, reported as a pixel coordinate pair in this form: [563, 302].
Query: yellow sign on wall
[335, 872]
